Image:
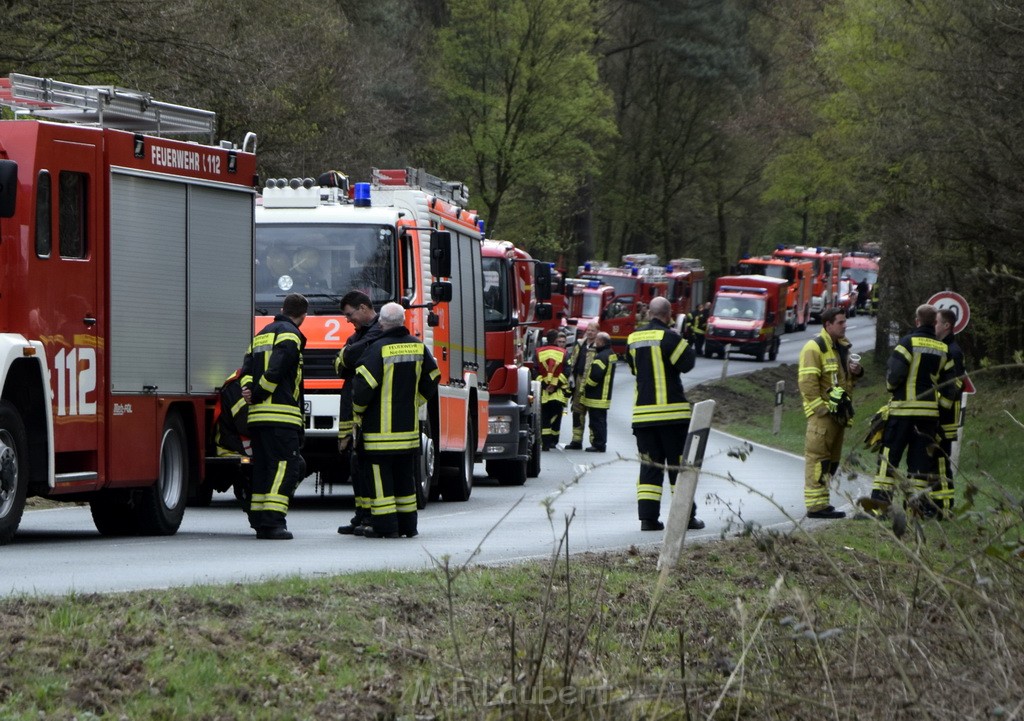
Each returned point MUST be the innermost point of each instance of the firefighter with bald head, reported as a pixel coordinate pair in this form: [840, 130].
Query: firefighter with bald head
[657, 355]
[397, 375]
[272, 386]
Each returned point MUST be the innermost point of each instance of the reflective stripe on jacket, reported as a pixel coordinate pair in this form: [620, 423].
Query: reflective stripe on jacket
[823, 365]
[273, 371]
[597, 391]
[657, 355]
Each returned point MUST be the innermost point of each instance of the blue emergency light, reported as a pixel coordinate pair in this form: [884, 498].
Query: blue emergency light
[594, 284]
[481, 225]
[362, 195]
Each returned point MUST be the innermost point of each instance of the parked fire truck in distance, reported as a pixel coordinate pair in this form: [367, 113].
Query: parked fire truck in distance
[686, 284]
[325, 240]
[587, 300]
[635, 285]
[799, 274]
[747, 315]
[858, 266]
[126, 299]
[827, 265]
[516, 291]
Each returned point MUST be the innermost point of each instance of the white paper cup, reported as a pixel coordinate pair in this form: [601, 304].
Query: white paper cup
[855, 357]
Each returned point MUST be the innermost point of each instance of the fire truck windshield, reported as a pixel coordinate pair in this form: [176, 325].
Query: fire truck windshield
[591, 305]
[772, 271]
[859, 274]
[497, 311]
[623, 284]
[731, 307]
[323, 262]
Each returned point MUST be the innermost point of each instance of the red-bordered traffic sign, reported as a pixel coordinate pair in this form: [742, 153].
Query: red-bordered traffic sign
[954, 302]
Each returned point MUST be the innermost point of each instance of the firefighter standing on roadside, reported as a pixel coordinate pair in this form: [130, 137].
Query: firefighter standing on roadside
[657, 355]
[597, 392]
[272, 386]
[396, 377]
[579, 362]
[920, 376]
[357, 308]
[554, 393]
[699, 327]
[825, 375]
[949, 417]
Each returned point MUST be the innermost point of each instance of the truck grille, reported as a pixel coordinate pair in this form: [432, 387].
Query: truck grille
[319, 363]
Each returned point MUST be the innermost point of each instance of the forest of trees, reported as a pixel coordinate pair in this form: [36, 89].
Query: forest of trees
[593, 128]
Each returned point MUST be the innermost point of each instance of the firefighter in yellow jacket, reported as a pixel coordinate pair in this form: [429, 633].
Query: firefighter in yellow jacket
[597, 392]
[826, 378]
[397, 376]
[554, 387]
[272, 386]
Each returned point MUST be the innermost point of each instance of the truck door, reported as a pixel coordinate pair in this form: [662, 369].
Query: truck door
[72, 256]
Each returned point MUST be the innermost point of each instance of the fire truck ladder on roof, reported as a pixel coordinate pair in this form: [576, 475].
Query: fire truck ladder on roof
[104, 106]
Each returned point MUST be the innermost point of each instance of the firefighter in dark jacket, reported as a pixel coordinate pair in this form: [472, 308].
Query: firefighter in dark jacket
[597, 392]
[396, 377]
[357, 308]
[949, 414]
[920, 377]
[554, 388]
[272, 386]
[661, 414]
[579, 364]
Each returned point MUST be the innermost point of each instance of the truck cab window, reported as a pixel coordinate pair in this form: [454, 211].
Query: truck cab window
[44, 213]
[72, 199]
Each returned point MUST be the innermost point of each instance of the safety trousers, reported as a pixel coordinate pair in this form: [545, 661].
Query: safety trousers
[392, 480]
[551, 423]
[914, 436]
[659, 446]
[277, 470]
[823, 448]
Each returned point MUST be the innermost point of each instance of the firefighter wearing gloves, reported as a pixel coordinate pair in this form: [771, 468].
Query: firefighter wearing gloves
[949, 414]
[920, 377]
[579, 361]
[396, 377]
[554, 385]
[657, 355]
[357, 308]
[597, 392]
[272, 386]
[826, 379]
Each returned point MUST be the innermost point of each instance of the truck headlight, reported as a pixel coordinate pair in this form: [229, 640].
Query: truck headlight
[499, 425]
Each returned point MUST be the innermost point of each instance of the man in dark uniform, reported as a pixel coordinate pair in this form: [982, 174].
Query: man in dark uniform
[579, 364]
[597, 392]
[917, 373]
[396, 377]
[550, 371]
[661, 414]
[272, 386]
[357, 308]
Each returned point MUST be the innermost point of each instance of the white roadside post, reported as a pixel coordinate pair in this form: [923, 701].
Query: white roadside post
[780, 390]
[686, 484]
[725, 361]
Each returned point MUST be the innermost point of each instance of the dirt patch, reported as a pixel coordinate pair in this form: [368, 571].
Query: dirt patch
[733, 401]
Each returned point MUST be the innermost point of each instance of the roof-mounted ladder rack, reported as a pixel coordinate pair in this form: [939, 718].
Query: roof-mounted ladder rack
[104, 106]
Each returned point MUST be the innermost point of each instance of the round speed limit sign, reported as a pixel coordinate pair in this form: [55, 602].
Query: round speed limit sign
[954, 302]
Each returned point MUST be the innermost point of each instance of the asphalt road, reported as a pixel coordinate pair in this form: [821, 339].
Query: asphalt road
[58, 551]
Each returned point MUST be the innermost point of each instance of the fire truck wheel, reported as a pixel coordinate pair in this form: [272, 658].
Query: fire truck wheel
[508, 472]
[773, 352]
[13, 470]
[457, 483]
[533, 465]
[161, 507]
[426, 467]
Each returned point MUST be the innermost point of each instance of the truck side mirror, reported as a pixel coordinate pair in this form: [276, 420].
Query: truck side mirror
[440, 254]
[441, 291]
[542, 311]
[542, 281]
[771, 316]
[8, 187]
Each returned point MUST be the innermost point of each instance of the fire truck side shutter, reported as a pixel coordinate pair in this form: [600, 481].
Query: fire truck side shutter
[148, 223]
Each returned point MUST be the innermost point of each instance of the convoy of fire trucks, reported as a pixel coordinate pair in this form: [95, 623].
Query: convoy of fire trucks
[162, 244]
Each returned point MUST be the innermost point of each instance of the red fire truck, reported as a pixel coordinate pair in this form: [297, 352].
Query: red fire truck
[747, 316]
[827, 266]
[587, 299]
[126, 300]
[686, 284]
[799, 274]
[516, 290]
[323, 241]
[635, 285]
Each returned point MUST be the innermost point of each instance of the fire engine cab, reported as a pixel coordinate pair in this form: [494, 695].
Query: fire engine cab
[404, 237]
[635, 285]
[125, 301]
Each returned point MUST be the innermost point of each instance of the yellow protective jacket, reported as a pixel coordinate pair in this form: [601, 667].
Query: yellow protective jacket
[554, 384]
[657, 355]
[823, 366]
[920, 375]
[396, 377]
[272, 369]
[597, 390]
